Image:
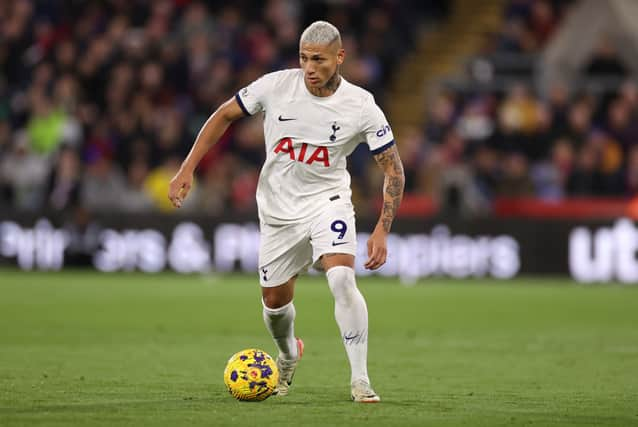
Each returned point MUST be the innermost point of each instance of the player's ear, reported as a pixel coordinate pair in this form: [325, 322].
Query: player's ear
[341, 55]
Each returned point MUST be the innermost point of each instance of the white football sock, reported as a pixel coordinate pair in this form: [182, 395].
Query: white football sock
[352, 317]
[280, 322]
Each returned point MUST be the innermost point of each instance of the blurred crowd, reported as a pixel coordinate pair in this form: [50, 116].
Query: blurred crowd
[478, 147]
[481, 144]
[528, 25]
[100, 100]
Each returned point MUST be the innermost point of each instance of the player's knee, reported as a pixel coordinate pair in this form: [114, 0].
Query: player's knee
[342, 283]
[277, 297]
[275, 301]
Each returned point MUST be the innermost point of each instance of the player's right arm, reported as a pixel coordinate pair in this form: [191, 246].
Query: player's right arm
[378, 135]
[208, 136]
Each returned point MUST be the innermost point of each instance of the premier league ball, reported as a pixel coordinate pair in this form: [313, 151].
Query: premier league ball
[251, 375]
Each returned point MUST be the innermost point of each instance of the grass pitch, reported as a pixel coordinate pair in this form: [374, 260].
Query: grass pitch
[88, 349]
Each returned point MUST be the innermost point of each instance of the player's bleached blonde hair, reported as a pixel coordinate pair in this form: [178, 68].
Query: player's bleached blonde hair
[320, 32]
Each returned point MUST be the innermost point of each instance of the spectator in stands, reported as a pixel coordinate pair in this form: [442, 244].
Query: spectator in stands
[515, 180]
[631, 174]
[440, 118]
[586, 178]
[516, 37]
[134, 198]
[102, 184]
[519, 112]
[558, 105]
[413, 151]
[64, 183]
[6, 192]
[605, 62]
[486, 171]
[550, 176]
[579, 121]
[521, 119]
[542, 21]
[620, 125]
[25, 173]
[529, 24]
[214, 195]
[46, 125]
[475, 124]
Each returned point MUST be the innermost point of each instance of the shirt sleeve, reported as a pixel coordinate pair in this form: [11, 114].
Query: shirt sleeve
[376, 130]
[254, 97]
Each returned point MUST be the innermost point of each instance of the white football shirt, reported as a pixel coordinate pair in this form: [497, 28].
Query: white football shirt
[307, 141]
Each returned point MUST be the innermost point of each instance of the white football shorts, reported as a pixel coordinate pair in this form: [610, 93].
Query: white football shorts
[287, 250]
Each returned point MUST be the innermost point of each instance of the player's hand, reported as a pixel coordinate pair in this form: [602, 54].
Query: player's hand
[179, 187]
[377, 249]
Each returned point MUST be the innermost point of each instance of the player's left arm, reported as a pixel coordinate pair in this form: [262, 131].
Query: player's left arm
[393, 185]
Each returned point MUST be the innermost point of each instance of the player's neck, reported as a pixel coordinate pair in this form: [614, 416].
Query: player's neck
[329, 88]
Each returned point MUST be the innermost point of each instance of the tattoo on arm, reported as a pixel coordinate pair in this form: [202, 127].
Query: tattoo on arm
[393, 184]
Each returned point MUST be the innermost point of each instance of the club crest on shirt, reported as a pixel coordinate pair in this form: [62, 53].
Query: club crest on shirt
[335, 128]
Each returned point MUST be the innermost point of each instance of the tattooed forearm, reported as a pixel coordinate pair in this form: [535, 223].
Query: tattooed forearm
[393, 185]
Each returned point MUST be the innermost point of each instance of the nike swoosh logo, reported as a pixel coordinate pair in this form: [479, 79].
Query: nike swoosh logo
[339, 243]
[281, 119]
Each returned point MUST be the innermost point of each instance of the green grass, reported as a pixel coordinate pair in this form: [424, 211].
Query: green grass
[85, 349]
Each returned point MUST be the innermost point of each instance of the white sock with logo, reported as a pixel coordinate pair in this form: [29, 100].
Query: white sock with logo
[280, 322]
[351, 314]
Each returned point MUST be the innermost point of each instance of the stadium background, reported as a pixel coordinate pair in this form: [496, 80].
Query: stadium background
[504, 126]
[516, 123]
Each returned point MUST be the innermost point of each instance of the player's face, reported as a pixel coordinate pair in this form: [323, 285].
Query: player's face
[319, 62]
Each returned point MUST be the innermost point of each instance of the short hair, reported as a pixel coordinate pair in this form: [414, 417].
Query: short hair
[320, 32]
